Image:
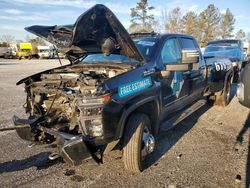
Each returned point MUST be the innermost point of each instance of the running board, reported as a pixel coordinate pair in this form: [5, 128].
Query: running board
[182, 115]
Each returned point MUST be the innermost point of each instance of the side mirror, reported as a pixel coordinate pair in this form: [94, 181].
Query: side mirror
[182, 67]
[190, 56]
[189, 61]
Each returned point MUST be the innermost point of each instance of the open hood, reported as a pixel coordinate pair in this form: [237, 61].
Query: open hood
[95, 31]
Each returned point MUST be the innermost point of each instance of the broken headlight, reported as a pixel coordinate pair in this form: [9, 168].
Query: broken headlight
[95, 128]
[91, 115]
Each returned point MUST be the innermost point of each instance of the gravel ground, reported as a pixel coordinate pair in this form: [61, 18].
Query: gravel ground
[208, 149]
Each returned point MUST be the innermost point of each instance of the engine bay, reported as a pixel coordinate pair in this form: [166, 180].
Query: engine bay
[70, 99]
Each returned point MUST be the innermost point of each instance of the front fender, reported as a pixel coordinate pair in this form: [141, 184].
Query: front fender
[127, 112]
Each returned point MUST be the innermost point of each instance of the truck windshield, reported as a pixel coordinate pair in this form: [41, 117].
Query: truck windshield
[113, 58]
[25, 50]
[226, 51]
[146, 45]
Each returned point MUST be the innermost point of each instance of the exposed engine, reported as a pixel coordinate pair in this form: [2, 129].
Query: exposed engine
[70, 99]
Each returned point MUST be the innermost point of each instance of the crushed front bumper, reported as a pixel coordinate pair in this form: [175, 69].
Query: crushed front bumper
[24, 133]
[73, 149]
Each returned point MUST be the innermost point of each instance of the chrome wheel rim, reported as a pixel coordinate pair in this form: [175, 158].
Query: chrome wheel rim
[148, 143]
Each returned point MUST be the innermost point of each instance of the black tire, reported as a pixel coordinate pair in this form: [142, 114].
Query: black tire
[132, 151]
[222, 98]
[236, 76]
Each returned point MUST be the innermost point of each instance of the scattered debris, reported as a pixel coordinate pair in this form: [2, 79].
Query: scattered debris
[31, 145]
[54, 156]
[238, 178]
[237, 147]
[156, 164]
[77, 178]
[69, 172]
[179, 156]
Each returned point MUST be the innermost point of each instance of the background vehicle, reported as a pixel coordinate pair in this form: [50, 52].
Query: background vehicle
[246, 46]
[233, 42]
[53, 52]
[202, 51]
[61, 55]
[27, 51]
[11, 52]
[44, 52]
[119, 91]
[232, 49]
[243, 89]
[3, 51]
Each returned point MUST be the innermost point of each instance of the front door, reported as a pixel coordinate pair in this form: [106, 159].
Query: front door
[175, 84]
[196, 77]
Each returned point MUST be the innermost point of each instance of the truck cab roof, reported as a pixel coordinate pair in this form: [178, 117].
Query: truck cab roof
[160, 35]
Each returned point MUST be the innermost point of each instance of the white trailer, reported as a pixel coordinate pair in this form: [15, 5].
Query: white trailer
[44, 52]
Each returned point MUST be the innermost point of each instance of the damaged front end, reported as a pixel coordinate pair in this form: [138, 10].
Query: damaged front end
[65, 107]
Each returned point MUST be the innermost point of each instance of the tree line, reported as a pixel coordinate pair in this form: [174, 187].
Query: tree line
[7, 40]
[205, 26]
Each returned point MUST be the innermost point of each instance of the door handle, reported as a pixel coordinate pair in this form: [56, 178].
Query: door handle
[149, 72]
[187, 73]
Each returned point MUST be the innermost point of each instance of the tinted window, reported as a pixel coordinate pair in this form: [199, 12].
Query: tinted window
[220, 48]
[170, 52]
[225, 51]
[224, 44]
[187, 43]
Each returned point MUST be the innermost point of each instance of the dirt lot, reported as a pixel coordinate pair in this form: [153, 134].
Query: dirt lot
[208, 149]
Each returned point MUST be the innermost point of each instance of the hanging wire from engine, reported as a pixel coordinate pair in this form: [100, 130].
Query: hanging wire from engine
[57, 54]
[54, 99]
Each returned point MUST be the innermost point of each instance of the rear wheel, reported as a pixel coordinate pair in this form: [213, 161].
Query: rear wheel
[236, 76]
[139, 142]
[222, 98]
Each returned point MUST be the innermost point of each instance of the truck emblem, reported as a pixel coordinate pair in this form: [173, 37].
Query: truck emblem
[133, 87]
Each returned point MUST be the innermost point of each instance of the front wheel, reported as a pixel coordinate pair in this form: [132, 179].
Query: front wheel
[139, 142]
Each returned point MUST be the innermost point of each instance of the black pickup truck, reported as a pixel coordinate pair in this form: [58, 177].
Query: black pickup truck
[119, 90]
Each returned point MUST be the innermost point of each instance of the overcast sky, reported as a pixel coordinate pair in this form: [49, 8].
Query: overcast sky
[17, 14]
